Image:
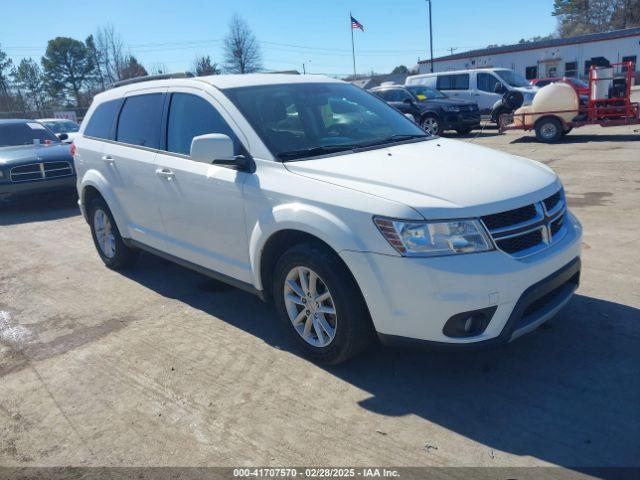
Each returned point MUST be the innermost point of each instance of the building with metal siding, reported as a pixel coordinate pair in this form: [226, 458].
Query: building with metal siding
[548, 58]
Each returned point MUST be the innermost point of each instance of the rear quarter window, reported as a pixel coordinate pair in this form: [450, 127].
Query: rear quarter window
[101, 120]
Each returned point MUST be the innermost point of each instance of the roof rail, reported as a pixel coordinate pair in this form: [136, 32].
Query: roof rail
[148, 78]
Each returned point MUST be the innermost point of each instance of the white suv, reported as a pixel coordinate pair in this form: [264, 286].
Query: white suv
[318, 196]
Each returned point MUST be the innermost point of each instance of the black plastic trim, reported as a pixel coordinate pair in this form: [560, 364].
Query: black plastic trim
[247, 287]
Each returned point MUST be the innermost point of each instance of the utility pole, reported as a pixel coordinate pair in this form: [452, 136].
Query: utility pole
[430, 36]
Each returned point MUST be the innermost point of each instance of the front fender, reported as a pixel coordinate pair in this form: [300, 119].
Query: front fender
[96, 180]
[304, 218]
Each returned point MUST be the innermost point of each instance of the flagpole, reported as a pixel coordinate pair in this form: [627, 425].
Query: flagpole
[353, 48]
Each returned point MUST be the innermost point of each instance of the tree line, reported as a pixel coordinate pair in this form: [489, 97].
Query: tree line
[578, 17]
[72, 71]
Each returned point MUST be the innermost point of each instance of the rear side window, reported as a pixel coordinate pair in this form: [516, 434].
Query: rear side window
[453, 82]
[140, 118]
[101, 121]
[191, 116]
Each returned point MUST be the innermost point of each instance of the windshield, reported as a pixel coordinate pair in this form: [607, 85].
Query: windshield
[425, 93]
[512, 78]
[14, 134]
[302, 120]
[61, 126]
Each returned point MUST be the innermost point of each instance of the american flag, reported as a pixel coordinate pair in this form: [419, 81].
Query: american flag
[356, 24]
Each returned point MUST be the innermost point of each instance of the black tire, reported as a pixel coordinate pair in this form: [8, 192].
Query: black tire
[353, 327]
[123, 256]
[512, 100]
[549, 129]
[464, 131]
[428, 121]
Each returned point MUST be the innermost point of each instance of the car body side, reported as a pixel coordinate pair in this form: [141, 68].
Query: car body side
[279, 201]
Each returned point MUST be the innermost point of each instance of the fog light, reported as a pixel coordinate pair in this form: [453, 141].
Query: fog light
[469, 324]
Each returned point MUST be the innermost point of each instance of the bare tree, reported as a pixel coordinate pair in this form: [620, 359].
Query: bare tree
[158, 68]
[204, 66]
[242, 51]
[109, 49]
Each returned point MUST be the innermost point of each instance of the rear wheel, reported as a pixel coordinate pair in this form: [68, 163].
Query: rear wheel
[549, 129]
[318, 302]
[431, 124]
[106, 237]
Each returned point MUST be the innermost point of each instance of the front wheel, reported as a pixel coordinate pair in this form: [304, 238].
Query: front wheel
[431, 124]
[549, 129]
[106, 237]
[320, 305]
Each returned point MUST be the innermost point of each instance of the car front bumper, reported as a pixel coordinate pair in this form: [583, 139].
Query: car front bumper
[411, 299]
[14, 189]
[453, 121]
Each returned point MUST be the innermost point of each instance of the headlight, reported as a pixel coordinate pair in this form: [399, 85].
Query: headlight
[431, 239]
[451, 108]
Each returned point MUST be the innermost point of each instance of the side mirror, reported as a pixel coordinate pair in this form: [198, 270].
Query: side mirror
[63, 136]
[499, 88]
[408, 101]
[217, 149]
[210, 147]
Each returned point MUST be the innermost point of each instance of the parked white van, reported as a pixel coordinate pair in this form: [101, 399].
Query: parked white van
[485, 86]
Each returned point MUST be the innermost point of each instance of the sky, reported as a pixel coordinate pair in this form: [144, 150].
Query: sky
[291, 32]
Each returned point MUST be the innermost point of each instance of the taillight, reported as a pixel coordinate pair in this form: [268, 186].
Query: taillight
[73, 150]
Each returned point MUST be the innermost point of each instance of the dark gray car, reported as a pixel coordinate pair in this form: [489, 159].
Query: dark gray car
[33, 160]
[431, 109]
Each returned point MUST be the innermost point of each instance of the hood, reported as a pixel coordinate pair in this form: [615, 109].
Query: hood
[439, 178]
[527, 89]
[446, 101]
[34, 153]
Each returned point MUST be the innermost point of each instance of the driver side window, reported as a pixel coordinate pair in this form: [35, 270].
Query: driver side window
[487, 82]
[191, 116]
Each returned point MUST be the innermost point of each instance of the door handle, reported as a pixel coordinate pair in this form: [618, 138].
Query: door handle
[165, 173]
[108, 159]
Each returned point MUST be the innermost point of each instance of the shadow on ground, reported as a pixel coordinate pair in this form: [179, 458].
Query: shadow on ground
[568, 394]
[39, 208]
[577, 138]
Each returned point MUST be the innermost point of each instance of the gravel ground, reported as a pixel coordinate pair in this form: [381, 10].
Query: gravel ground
[161, 366]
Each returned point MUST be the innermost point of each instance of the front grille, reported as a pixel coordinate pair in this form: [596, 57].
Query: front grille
[551, 202]
[556, 226]
[41, 171]
[510, 217]
[528, 229]
[520, 242]
[549, 298]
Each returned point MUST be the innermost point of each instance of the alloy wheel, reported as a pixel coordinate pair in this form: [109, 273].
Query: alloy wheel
[104, 233]
[310, 306]
[430, 125]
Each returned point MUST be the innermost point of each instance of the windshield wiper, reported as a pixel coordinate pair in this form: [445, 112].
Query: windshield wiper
[315, 151]
[395, 138]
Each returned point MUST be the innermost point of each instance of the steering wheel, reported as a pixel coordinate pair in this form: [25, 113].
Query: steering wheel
[340, 130]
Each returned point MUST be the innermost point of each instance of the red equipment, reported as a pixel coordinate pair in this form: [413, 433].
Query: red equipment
[614, 109]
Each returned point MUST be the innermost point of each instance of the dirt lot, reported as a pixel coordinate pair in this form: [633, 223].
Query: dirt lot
[161, 366]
